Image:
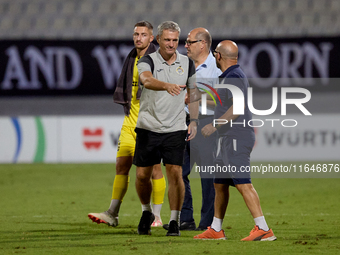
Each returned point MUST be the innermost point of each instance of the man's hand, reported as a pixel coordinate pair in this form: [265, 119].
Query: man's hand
[192, 130]
[174, 89]
[186, 100]
[207, 130]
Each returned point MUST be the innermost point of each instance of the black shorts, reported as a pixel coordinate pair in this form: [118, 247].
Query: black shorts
[153, 147]
[233, 157]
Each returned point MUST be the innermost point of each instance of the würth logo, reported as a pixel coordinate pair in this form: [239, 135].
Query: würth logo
[93, 139]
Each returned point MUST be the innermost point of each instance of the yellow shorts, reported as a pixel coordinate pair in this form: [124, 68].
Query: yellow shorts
[126, 142]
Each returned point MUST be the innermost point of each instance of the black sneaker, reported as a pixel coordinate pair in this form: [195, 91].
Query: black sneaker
[185, 225]
[144, 226]
[173, 229]
[166, 226]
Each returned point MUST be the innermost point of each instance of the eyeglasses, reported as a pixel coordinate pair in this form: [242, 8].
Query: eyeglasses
[191, 42]
[215, 52]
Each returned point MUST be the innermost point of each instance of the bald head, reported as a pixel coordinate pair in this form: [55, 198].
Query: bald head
[203, 34]
[228, 49]
[226, 54]
[198, 45]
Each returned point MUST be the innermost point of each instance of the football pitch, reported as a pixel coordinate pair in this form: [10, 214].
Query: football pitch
[44, 207]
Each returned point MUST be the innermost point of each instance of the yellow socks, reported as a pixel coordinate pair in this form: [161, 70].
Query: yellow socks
[158, 190]
[120, 186]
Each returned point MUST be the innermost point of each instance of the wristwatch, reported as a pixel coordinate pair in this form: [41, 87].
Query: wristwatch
[195, 120]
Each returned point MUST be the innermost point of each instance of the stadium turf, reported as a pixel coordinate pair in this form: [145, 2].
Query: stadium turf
[44, 207]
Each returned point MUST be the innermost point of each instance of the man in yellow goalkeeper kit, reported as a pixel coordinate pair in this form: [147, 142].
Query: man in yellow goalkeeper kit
[127, 93]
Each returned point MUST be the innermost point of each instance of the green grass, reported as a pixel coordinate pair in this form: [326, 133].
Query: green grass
[43, 210]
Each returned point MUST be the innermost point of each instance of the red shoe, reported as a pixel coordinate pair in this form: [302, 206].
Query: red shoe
[211, 234]
[258, 234]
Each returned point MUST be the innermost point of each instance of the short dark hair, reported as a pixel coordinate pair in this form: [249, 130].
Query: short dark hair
[144, 23]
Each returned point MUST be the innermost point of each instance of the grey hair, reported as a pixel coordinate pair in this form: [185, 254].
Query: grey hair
[168, 25]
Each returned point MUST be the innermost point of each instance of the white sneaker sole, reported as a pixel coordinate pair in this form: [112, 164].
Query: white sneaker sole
[222, 238]
[271, 238]
[103, 218]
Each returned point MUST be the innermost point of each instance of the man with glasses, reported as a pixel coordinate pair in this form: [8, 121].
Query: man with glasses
[161, 128]
[235, 143]
[200, 150]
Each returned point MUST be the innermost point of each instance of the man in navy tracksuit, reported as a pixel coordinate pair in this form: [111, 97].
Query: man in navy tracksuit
[236, 139]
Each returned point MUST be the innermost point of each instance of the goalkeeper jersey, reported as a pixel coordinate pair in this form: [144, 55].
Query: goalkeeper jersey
[131, 120]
